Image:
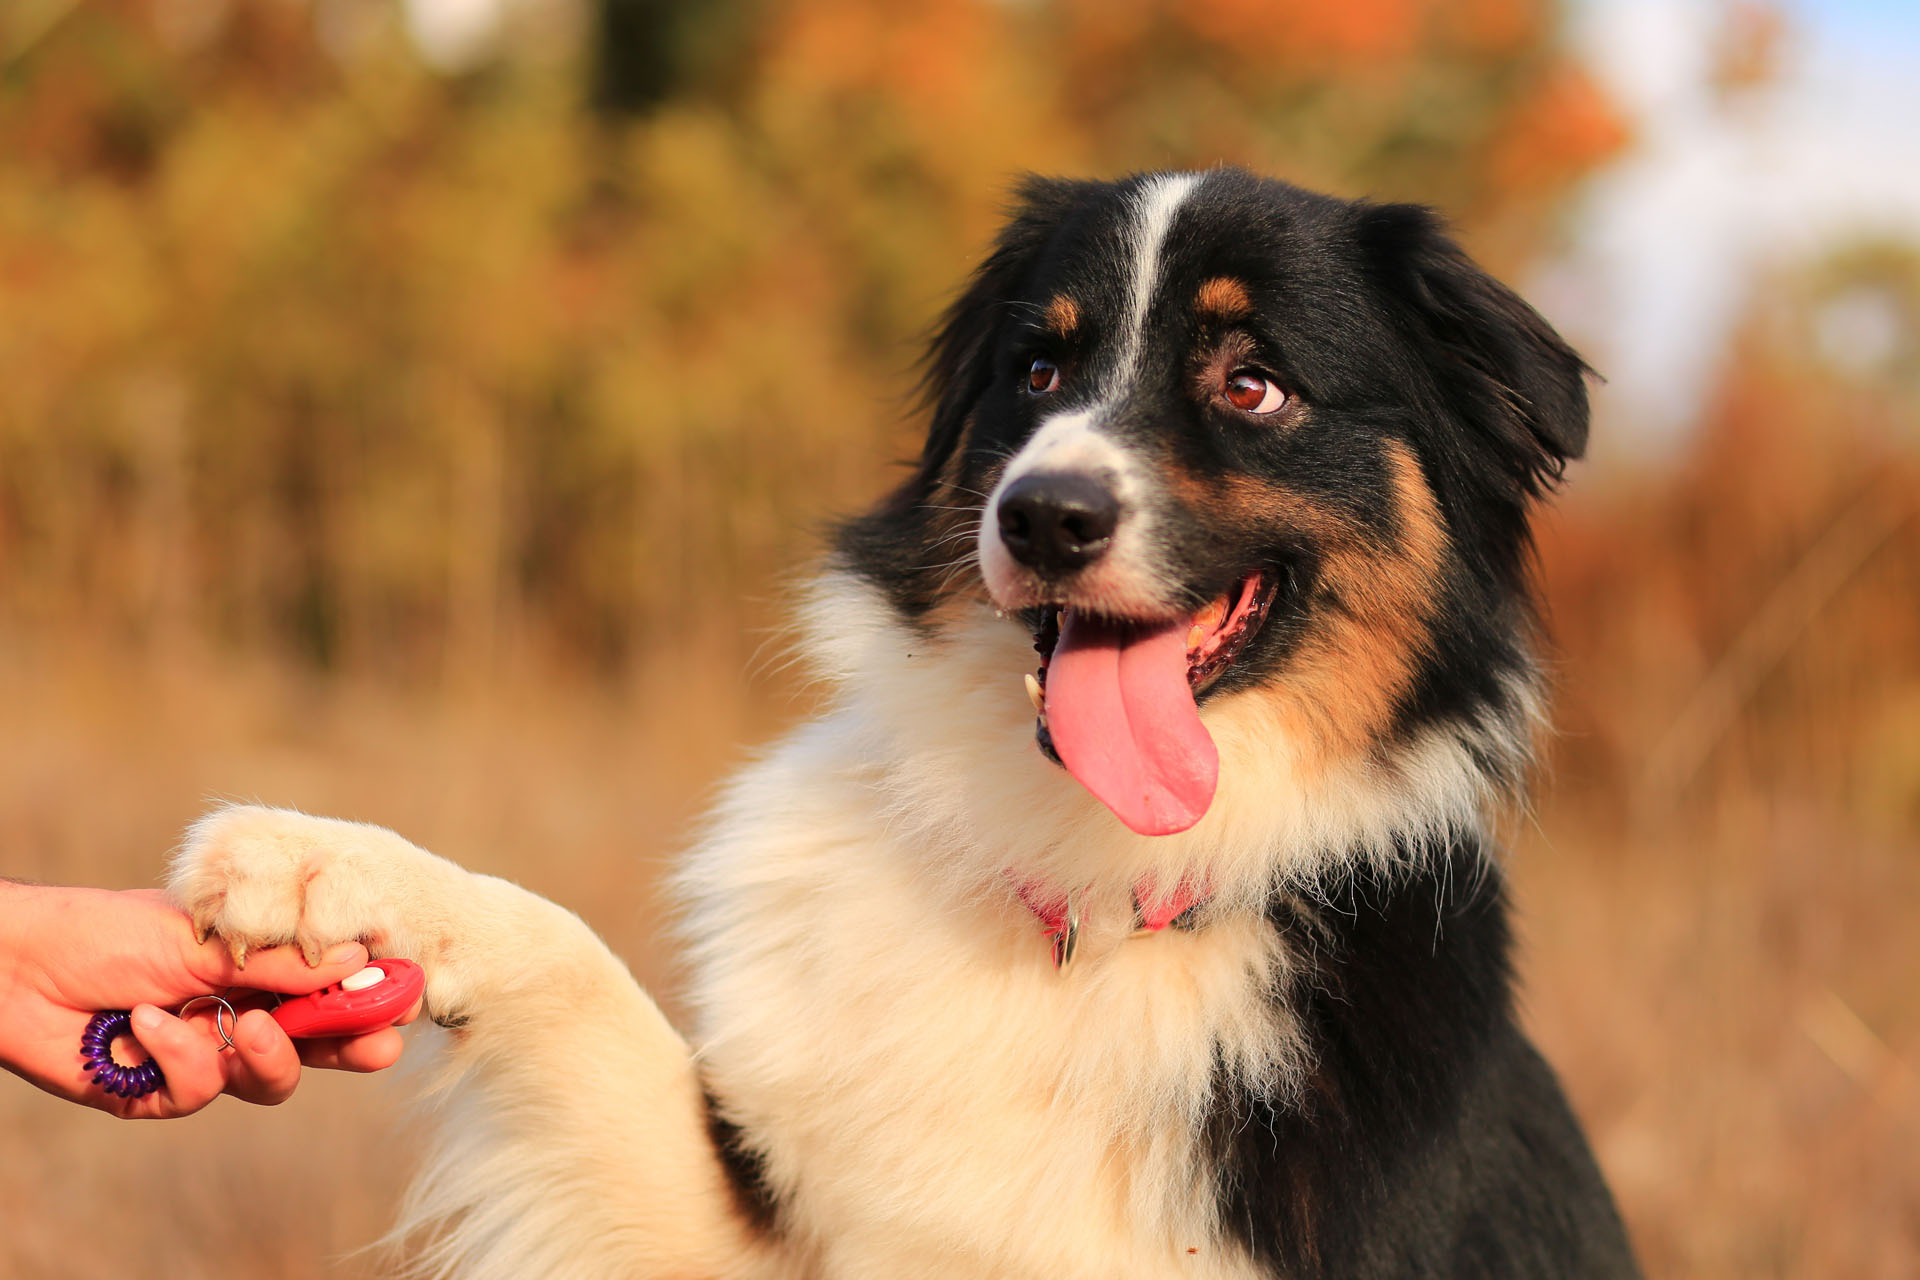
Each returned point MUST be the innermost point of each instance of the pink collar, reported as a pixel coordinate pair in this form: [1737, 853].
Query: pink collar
[1059, 913]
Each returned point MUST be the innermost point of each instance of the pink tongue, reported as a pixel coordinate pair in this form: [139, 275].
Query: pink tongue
[1123, 721]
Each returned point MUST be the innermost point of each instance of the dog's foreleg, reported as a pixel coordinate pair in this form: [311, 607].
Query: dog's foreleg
[573, 1139]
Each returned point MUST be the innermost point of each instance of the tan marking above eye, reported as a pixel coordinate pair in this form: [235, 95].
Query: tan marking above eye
[1062, 315]
[1223, 298]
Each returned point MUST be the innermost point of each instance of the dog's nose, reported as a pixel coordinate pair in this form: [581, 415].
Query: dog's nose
[1057, 522]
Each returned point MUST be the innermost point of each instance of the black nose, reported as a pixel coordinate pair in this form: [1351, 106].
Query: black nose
[1057, 522]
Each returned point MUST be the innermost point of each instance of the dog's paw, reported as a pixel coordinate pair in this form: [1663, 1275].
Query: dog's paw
[260, 877]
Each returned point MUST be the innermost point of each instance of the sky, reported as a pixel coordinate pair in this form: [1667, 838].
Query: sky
[1667, 240]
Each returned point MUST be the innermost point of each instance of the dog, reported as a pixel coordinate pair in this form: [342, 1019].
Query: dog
[1132, 908]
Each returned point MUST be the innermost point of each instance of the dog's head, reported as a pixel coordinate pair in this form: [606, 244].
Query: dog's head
[1208, 437]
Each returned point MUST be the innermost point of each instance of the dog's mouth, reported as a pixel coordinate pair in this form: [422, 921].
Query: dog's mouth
[1117, 701]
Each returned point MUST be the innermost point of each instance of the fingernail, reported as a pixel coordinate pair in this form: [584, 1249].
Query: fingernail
[147, 1018]
[340, 953]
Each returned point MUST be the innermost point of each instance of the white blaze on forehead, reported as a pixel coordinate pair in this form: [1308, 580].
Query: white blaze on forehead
[1071, 441]
[1154, 207]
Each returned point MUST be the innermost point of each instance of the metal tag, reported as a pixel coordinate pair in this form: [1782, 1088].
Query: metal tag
[1067, 940]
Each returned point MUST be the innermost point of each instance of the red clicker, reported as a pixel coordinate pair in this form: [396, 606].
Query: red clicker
[375, 997]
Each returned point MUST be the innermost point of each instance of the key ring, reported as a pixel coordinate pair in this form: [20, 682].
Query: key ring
[96, 1046]
[226, 1037]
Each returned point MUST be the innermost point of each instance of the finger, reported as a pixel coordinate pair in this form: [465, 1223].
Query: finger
[413, 1011]
[263, 1067]
[374, 1051]
[283, 969]
[188, 1059]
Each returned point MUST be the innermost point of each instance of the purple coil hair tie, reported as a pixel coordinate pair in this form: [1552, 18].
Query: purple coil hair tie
[96, 1047]
[96, 1043]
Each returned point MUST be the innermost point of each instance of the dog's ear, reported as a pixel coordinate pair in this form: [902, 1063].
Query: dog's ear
[959, 361]
[1497, 363]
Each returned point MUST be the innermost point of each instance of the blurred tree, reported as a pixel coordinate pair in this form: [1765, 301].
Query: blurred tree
[309, 348]
[648, 52]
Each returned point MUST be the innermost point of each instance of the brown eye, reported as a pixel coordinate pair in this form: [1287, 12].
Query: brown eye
[1043, 377]
[1251, 393]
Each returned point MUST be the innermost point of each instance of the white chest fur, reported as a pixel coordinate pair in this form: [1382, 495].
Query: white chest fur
[932, 1097]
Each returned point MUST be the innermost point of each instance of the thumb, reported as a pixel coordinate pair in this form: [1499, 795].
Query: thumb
[194, 1076]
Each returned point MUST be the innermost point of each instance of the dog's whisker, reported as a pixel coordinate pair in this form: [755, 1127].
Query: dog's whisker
[966, 533]
[952, 567]
[957, 536]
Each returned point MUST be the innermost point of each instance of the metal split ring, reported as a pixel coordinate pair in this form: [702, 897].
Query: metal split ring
[233, 1019]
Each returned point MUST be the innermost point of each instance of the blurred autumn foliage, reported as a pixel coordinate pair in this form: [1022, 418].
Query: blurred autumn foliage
[1746, 622]
[312, 349]
[427, 445]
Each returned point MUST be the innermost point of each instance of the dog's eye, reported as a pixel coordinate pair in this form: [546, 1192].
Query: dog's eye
[1043, 377]
[1251, 393]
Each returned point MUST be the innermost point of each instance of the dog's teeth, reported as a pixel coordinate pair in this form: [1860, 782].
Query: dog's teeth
[1036, 695]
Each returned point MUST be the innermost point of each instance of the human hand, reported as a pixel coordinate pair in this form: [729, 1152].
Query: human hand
[66, 953]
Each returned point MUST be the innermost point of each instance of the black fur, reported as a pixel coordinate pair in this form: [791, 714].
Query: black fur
[745, 1170]
[1430, 1139]
[892, 544]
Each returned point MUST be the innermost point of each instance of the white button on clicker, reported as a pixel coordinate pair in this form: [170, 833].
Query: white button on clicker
[371, 976]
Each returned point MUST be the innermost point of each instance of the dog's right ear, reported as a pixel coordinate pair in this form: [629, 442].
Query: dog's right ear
[959, 361]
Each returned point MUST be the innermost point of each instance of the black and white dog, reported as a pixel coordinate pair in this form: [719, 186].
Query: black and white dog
[1175, 948]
